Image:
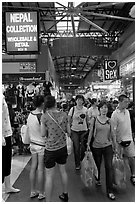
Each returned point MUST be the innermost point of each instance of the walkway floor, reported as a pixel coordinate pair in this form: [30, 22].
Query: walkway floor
[77, 191]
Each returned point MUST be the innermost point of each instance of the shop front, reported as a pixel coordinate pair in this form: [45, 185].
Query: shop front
[127, 73]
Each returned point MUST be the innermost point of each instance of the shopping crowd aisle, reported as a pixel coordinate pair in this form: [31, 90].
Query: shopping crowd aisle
[46, 136]
[77, 191]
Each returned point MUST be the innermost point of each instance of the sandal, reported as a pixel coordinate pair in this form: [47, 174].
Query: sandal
[111, 196]
[132, 179]
[64, 197]
[33, 194]
[41, 196]
[98, 183]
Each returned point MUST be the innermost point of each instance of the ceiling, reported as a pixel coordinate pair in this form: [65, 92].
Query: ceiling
[104, 22]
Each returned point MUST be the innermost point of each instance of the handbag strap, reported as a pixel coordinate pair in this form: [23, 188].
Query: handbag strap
[56, 123]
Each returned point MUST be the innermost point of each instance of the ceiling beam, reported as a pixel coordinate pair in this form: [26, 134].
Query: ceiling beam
[56, 22]
[73, 25]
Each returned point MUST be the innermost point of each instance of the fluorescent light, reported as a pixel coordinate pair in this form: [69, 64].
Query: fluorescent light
[73, 68]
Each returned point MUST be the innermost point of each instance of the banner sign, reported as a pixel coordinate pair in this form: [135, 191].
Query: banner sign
[27, 67]
[110, 70]
[23, 77]
[22, 32]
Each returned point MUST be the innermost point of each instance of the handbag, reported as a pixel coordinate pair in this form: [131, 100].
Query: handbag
[125, 143]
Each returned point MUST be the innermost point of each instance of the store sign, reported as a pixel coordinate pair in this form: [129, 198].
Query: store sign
[28, 67]
[110, 70]
[24, 77]
[127, 67]
[22, 32]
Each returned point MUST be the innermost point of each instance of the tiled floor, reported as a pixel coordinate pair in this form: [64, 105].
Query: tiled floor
[18, 164]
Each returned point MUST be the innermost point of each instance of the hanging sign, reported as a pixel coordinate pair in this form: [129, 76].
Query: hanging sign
[110, 70]
[24, 77]
[22, 32]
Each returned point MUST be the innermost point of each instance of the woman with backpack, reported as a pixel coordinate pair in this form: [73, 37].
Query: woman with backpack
[78, 129]
[37, 146]
[102, 145]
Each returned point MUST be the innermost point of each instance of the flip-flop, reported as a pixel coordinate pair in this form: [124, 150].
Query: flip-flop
[111, 196]
[34, 194]
[12, 190]
[41, 196]
[132, 179]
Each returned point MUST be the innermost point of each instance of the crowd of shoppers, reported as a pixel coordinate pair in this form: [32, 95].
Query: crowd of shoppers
[95, 125]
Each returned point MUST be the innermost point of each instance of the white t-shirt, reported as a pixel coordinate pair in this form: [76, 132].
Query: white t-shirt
[78, 122]
[34, 129]
[122, 125]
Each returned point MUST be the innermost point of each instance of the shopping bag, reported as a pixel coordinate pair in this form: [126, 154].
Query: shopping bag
[25, 134]
[88, 169]
[69, 144]
[119, 171]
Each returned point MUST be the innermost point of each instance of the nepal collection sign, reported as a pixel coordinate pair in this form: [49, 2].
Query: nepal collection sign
[111, 70]
[22, 32]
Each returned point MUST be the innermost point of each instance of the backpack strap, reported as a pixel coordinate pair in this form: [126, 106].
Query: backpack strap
[73, 111]
[38, 116]
[93, 131]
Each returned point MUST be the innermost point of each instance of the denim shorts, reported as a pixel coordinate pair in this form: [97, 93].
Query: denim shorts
[37, 149]
[53, 157]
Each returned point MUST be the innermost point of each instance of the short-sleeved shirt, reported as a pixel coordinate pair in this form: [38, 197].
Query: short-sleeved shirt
[78, 122]
[56, 139]
[122, 125]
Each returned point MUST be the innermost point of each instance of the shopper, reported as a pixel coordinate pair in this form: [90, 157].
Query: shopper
[114, 104]
[93, 110]
[53, 128]
[122, 131]
[78, 129]
[102, 145]
[6, 149]
[37, 145]
[131, 109]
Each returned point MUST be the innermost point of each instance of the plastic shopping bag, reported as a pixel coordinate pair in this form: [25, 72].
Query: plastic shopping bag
[88, 169]
[119, 172]
[69, 144]
[25, 134]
